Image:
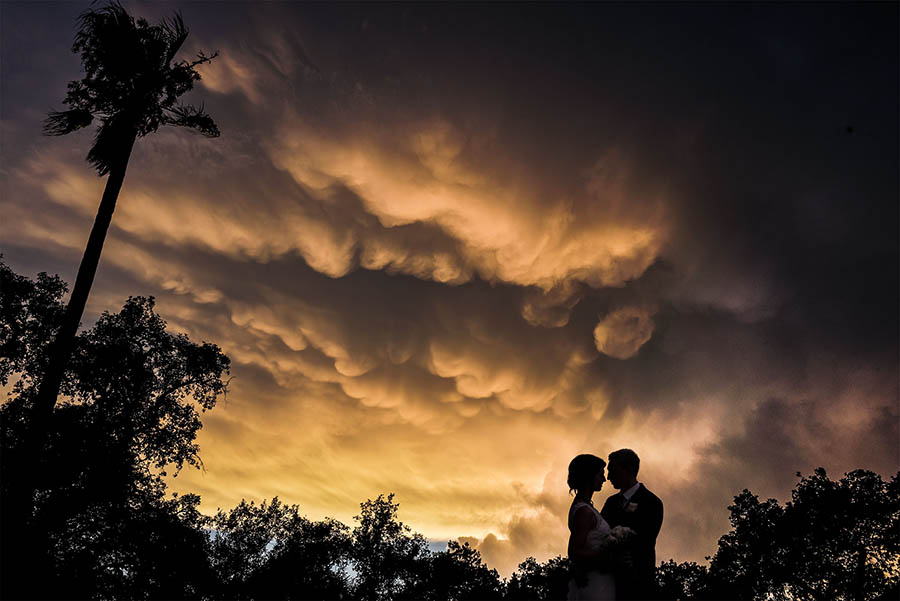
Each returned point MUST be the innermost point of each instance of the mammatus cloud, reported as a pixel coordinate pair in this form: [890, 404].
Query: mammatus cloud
[504, 231]
[551, 308]
[504, 224]
[623, 332]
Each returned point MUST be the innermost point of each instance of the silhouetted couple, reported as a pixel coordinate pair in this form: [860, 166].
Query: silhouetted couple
[613, 551]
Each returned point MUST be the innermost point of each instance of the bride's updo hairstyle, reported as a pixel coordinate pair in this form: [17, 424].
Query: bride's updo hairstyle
[582, 471]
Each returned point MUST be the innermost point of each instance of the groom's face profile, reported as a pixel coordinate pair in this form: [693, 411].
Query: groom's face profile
[618, 474]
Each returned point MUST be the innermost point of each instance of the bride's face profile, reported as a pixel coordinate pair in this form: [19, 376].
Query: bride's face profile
[599, 479]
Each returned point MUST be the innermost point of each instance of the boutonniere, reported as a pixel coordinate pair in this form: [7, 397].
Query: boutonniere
[630, 507]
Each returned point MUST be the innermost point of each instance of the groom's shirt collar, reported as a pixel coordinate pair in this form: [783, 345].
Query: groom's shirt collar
[630, 492]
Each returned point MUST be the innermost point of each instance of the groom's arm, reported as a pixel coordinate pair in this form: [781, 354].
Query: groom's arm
[648, 519]
[654, 519]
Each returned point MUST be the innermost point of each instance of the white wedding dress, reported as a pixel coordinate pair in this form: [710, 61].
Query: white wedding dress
[600, 586]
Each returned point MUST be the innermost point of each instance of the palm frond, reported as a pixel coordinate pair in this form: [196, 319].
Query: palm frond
[131, 82]
[202, 58]
[60, 123]
[104, 28]
[194, 117]
[114, 53]
[176, 32]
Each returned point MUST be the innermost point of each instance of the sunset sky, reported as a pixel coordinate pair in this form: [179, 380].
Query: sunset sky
[449, 247]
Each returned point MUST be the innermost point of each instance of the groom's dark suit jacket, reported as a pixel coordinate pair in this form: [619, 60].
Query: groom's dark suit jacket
[644, 515]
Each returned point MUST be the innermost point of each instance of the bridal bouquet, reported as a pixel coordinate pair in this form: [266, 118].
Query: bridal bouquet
[615, 554]
[618, 536]
[616, 539]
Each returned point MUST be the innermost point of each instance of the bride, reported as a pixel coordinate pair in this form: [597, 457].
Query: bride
[592, 570]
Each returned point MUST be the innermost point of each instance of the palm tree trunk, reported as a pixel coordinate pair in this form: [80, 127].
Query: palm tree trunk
[61, 347]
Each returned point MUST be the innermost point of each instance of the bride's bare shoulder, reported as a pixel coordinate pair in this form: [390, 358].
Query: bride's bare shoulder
[580, 506]
[582, 514]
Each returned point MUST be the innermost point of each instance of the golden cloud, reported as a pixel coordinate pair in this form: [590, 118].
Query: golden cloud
[506, 231]
[229, 74]
[623, 332]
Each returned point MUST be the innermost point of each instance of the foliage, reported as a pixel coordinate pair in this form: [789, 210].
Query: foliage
[834, 540]
[749, 560]
[843, 537]
[139, 385]
[388, 558]
[270, 551]
[459, 574]
[98, 522]
[533, 580]
[681, 581]
[30, 313]
[131, 83]
[147, 383]
[242, 539]
[311, 564]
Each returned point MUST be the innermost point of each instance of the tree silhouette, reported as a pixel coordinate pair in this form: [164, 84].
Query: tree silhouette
[678, 581]
[270, 551]
[132, 86]
[534, 580]
[459, 574]
[98, 522]
[244, 538]
[312, 563]
[843, 537]
[388, 558]
[834, 540]
[750, 559]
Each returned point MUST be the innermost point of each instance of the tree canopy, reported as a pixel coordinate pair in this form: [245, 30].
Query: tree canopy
[131, 82]
[99, 521]
[834, 540]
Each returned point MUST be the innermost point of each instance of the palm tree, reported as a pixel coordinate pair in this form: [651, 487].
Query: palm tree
[132, 86]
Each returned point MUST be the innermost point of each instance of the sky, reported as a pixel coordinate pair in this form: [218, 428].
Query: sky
[449, 247]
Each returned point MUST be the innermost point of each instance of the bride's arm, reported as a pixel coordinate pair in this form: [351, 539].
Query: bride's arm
[582, 523]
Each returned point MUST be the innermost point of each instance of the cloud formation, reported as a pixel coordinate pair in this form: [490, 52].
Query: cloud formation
[622, 332]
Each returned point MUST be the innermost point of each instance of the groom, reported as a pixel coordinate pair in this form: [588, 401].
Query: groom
[639, 509]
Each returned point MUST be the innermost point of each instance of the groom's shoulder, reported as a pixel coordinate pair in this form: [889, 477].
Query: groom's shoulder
[649, 496]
